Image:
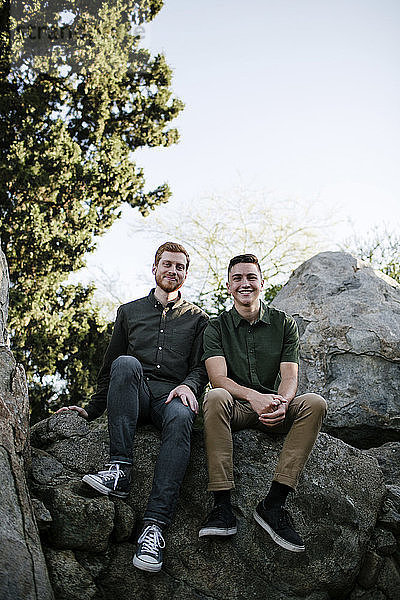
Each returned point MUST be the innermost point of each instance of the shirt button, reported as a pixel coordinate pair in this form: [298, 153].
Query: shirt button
[148, 378]
[160, 347]
[161, 330]
[158, 367]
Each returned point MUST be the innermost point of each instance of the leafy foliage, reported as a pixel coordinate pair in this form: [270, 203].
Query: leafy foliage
[381, 248]
[281, 236]
[71, 116]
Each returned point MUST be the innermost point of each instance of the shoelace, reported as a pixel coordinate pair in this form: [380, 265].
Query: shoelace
[114, 472]
[152, 539]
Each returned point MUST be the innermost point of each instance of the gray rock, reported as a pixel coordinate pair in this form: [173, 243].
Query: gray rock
[360, 594]
[45, 469]
[23, 572]
[380, 571]
[389, 580]
[388, 457]
[384, 542]
[133, 583]
[124, 521]
[389, 516]
[58, 427]
[335, 509]
[393, 495]
[70, 580]
[42, 515]
[80, 520]
[21, 568]
[370, 570]
[348, 317]
[4, 285]
[82, 454]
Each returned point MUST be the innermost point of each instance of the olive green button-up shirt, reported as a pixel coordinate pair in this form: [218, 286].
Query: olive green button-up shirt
[253, 353]
[168, 342]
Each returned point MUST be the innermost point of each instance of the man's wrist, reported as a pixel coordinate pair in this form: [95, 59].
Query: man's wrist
[190, 387]
[248, 395]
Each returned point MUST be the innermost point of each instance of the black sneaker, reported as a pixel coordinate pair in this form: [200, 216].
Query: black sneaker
[113, 482]
[220, 521]
[149, 553]
[278, 523]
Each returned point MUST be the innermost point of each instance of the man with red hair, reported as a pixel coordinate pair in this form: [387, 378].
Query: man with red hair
[152, 371]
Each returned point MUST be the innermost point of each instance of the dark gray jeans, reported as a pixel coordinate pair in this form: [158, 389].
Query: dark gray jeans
[128, 400]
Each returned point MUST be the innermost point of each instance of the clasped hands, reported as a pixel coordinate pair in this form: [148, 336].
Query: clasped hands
[271, 408]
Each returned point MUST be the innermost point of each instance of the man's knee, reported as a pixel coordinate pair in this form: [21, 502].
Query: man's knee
[178, 414]
[216, 400]
[316, 403]
[128, 365]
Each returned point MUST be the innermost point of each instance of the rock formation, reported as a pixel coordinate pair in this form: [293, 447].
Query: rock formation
[23, 573]
[388, 457]
[90, 540]
[348, 317]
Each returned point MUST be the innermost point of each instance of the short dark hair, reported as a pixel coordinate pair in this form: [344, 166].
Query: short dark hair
[171, 247]
[244, 258]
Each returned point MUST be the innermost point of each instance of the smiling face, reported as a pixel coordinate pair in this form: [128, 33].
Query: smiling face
[245, 284]
[170, 272]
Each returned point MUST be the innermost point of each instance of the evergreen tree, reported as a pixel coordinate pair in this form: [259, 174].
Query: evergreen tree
[72, 112]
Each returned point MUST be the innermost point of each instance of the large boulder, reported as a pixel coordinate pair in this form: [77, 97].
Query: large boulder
[23, 572]
[388, 457]
[348, 317]
[335, 507]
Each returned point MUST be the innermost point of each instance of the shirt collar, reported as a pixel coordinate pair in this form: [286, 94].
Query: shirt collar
[263, 316]
[264, 313]
[174, 304]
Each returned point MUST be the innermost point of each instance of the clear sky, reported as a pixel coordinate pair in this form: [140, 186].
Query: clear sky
[297, 97]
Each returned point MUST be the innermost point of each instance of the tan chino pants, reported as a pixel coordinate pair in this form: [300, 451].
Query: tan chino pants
[223, 414]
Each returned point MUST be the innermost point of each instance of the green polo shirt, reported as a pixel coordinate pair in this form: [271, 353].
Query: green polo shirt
[253, 353]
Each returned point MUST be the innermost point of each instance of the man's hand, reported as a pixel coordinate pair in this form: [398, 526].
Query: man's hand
[264, 403]
[81, 411]
[186, 395]
[276, 416]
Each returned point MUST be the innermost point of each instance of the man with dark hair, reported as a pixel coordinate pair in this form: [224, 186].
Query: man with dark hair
[251, 354]
[244, 258]
[152, 371]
